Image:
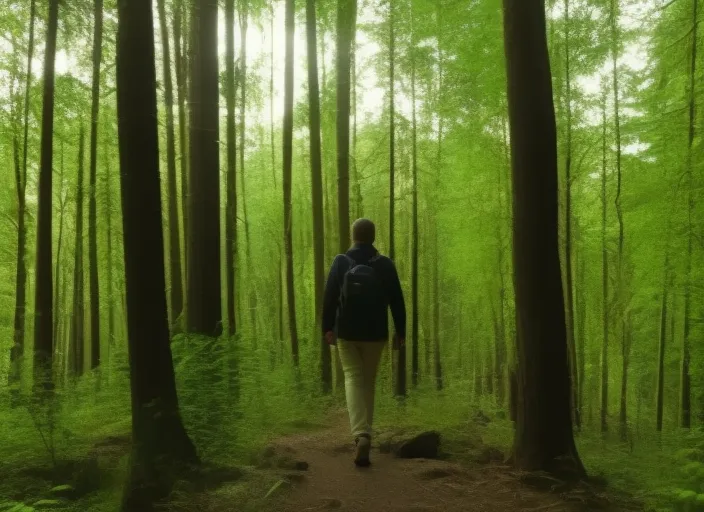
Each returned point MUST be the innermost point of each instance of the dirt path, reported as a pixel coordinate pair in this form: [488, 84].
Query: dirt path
[332, 482]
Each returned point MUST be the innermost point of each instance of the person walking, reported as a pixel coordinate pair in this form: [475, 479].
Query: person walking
[361, 287]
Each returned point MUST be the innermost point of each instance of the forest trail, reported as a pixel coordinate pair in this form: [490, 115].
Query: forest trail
[332, 482]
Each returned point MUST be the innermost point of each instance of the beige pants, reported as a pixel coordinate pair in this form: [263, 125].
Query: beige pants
[360, 360]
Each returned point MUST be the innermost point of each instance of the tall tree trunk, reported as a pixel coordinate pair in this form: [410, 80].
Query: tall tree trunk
[204, 302]
[436, 317]
[392, 135]
[613, 18]
[17, 350]
[605, 286]
[43, 300]
[581, 326]
[57, 268]
[685, 377]
[400, 354]
[346, 21]
[160, 444]
[544, 438]
[77, 336]
[414, 231]
[358, 202]
[287, 178]
[231, 207]
[175, 278]
[243, 14]
[436, 262]
[92, 208]
[569, 290]
[316, 168]
[271, 98]
[110, 259]
[661, 345]
[181, 76]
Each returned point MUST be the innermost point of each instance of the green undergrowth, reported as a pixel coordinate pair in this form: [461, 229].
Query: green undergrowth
[232, 411]
[664, 472]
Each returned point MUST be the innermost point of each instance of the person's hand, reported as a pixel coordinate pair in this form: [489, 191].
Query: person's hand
[330, 338]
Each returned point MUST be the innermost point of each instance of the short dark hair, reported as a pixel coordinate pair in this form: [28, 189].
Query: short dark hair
[363, 231]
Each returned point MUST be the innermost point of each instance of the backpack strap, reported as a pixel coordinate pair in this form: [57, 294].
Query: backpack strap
[351, 261]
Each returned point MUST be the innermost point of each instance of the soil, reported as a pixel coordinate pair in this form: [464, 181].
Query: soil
[332, 482]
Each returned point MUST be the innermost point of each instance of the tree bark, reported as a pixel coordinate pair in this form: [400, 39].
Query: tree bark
[415, 231]
[17, 350]
[436, 262]
[346, 21]
[43, 303]
[92, 207]
[59, 352]
[231, 207]
[661, 345]
[243, 14]
[204, 312]
[77, 333]
[544, 438]
[180, 68]
[685, 377]
[605, 287]
[110, 258]
[569, 290]
[316, 168]
[287, 178]
[620, 285]
[160, 443]
[175, 277]
[392, 134]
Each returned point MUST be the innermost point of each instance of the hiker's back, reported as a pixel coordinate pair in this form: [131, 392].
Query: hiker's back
[363, 300]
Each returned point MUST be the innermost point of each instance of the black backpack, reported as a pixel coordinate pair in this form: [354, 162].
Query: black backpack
[362, 295]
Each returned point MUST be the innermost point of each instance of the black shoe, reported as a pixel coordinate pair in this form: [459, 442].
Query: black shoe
[364, 445]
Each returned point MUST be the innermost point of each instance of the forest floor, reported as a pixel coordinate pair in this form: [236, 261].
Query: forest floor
[318, 474]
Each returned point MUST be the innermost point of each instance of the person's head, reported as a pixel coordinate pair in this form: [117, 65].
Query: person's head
[363, 231]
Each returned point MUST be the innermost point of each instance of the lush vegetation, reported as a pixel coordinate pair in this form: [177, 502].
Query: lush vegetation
[239, 93]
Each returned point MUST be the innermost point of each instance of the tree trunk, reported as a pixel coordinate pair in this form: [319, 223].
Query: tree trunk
[605, 287]
[613, 18]
[415, 231]
[436, 263]
[243, 14]
[204, 301]
[569, 290]
[544, 436]
[180, 67]
[231, 208]
[436, 318]
[685, 377]
[346, 21]
[392, 136]
[287, 178]
[581, 311]
[92, 208]
[58, 296]
[316, 168]
[661, 345]
[109, 277]
[159, 440]
[43, 303]
[271, 100]
[175, 278]
[358, 202]
[17, 350]
[77, 336]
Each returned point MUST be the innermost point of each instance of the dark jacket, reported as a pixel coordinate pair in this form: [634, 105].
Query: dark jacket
[377, 329]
